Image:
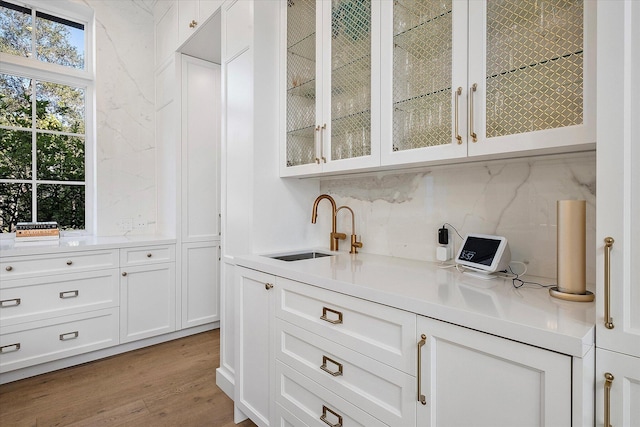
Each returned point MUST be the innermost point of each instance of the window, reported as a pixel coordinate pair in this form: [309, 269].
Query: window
[45, 142]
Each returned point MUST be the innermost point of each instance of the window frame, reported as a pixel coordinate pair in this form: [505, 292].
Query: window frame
[33, 68]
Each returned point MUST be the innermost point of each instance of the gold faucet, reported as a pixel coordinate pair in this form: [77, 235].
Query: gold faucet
[335, 236]
[354, 239]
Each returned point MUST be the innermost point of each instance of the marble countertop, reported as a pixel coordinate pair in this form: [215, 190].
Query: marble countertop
[528, 314]
[71, 243]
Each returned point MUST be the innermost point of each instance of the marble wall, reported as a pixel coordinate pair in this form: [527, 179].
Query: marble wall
[399, 214]
[125, 123]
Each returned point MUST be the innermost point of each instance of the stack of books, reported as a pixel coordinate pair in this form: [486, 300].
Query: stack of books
[37, 231]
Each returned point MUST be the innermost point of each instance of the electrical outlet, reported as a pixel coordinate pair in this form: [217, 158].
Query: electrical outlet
[126, 224]
[140, 224]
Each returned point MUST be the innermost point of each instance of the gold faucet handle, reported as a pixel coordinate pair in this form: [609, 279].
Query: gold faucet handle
[340, 236]
[355, 244]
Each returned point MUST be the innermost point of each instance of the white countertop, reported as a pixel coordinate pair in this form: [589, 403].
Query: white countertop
[71, 243]
[529, 315]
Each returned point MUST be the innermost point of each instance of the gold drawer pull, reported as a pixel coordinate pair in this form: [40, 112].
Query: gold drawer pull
[608, 382]
[326, 359]
[69, 262]
[472, 133]
[458, 92]
[10, 302]
[421, 398]
[268, 286]
[69, 294]
[324, 417]
[10, 348]
[69, 336]
[608, 321]
[333, 321]
[8, 268]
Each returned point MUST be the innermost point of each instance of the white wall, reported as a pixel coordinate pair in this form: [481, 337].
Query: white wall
[125, 151]
[399, 214]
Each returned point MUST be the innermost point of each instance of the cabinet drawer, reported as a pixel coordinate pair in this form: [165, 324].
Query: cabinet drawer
[32, 343]
[147, 255]
[378, 331]
[309, 401]
[384, 392]
[41, 265]
[26, 300]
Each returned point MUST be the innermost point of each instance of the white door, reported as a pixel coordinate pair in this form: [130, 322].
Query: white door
[147, 301]
[253, 363]
[617, 389]
[470, 378]
[200, 149]
[533, 66]
[618, 174]
[200, 283]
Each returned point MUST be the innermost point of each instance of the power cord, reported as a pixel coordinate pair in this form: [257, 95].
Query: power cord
[519, 283]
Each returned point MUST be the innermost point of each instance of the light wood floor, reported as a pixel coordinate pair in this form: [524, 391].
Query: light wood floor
[169, 384]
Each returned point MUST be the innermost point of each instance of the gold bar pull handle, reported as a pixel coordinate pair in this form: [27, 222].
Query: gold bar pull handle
[326, 359]
[69, 336]
[421, 398]
[457, 96]
[324, 419]
[324, 317]
[474, 136]
[322, 131]
[69, 294]
[10, 302]
[608, 382]
[9, 348]
[608, 244]
[315, 143]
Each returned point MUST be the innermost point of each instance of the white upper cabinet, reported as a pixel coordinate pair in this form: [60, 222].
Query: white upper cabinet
[192, 14]
[331, 102]
[532, 65]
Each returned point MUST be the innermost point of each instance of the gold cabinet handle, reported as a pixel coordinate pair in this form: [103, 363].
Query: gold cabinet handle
[324, 317]
[472, 133]
[8, 268]
[149, 255]
[315, 142]
[69, 262]
[69, 336]
[322, 131]
[324, 419]
[69, 294]
[9, 348]
[193, 24]
[124, 274]
[326, 359]
[423, 340]
[10, 302]
[457, 96]
[608, 382]
[608, 244]
[268, 286]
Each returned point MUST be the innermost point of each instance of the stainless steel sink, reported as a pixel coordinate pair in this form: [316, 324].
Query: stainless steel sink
[300, 256]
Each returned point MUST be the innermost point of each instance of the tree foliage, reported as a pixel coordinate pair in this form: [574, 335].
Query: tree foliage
[60, 127]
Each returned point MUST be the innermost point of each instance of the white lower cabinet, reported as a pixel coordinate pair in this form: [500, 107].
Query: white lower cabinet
[252, 323]
[469, 378]
[617, 389]
[200, 283]
[147, 293]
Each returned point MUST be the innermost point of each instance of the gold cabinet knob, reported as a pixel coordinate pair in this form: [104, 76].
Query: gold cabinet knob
[69, 262]
[149, 255]
[124, 274]
[9, 268]
[268, 286]
[193, 24]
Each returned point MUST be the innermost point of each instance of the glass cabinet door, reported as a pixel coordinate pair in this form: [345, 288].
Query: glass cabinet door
[301, 83]
[532, 63]
[422, 68]
[350, 76]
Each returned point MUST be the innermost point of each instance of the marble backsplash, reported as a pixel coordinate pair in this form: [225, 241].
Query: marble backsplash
[125, 122]
[398, 214]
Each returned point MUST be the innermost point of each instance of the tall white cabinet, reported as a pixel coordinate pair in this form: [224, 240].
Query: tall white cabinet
[618, 228]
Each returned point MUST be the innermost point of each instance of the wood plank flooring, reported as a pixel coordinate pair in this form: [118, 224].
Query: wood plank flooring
[169, 384]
